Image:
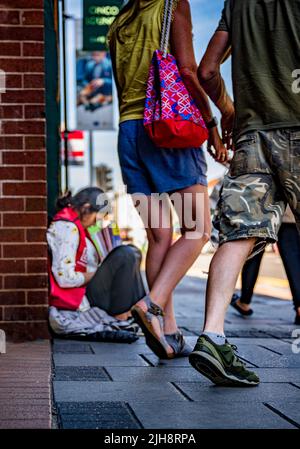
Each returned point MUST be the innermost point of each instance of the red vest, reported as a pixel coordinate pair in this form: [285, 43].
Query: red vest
[69, 298]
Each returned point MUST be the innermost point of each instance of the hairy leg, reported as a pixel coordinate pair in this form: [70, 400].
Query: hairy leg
[223, 274]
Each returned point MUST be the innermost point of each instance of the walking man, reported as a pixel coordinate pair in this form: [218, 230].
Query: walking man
[263, 125]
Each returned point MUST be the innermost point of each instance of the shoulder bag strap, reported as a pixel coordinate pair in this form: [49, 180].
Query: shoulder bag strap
[166, 26]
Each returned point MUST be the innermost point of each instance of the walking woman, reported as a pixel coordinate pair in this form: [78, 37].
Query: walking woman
[147, 169]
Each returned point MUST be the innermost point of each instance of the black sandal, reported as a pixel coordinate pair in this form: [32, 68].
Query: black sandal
[234, 304]
[158, 345]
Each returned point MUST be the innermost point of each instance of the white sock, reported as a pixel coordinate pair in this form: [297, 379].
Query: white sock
[218, 339]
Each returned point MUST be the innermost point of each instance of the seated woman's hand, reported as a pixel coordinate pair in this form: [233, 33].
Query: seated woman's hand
[88, 276]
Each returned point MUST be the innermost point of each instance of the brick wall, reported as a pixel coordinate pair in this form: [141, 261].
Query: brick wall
[23, 201]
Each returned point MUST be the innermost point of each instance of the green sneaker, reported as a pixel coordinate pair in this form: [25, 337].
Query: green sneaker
[220, 364]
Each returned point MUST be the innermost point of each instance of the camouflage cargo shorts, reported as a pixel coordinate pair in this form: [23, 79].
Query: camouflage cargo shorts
[264, 176]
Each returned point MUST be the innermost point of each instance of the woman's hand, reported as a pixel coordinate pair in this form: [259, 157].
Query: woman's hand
[215, 141]
[227, 124]
[88, 276]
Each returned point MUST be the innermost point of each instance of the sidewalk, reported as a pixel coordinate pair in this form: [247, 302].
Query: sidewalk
[112, 386]
[25, 386]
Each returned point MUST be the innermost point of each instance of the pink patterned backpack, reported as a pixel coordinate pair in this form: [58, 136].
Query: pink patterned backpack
[171, 117]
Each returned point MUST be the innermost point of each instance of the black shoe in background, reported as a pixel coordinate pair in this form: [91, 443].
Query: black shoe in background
[234, 304]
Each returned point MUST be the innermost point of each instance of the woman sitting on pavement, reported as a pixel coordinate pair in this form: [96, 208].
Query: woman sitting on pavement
[78, 280]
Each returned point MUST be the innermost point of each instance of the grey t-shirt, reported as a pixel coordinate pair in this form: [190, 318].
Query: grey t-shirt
[265, 41]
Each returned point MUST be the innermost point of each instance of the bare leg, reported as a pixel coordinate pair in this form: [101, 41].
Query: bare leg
[223, 274]
[179, 257]
[185, 251]
[159, 244]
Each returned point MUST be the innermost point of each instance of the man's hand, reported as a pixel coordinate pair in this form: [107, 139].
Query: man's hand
[227, 124]
[214, 140]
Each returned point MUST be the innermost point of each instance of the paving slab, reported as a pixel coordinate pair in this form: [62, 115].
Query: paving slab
[120, 349]
[290, 409]
[70, 348]
[82, 373]
[99, 360]
[279, 375]
[96, 415]
[114, 391]
[156, 374]
[265, 392]
[207, 415]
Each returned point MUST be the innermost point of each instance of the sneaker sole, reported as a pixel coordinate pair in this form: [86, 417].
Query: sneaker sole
[209, 367]
[151, 340]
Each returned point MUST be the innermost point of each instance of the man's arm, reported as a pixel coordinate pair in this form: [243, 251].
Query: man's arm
[209, 72]
[183, 50]
[210, 77]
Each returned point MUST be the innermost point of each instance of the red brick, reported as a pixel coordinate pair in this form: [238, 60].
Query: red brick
[22, 65]
[11, 143]
[11, 173]
[27, 96]
[24, 188]
[12, 298]
[21, 282]
[9, 17]
[36, 266]
[35, 205]
[25, 313]
[23, 127]
[35, 173]
[12, 33]
[13, 81]
[12, 235]
[15, 111]
[33, 18]
[35, 111]
[34, 49]
[22, 4]
[35, 297]
[24, 158]
[32, 80]
[25, 250]
[35, 235]
[11, 204]
[18, 220]
[10, 48]
[18, 332]
[35, 142]
[12, 266]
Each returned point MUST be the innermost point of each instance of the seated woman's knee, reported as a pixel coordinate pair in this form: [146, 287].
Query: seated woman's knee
[131, 253]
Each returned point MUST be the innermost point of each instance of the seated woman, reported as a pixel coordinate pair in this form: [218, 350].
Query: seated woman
[78, 279]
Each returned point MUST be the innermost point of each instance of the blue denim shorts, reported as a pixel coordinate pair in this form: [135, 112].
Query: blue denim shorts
[148, 169]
